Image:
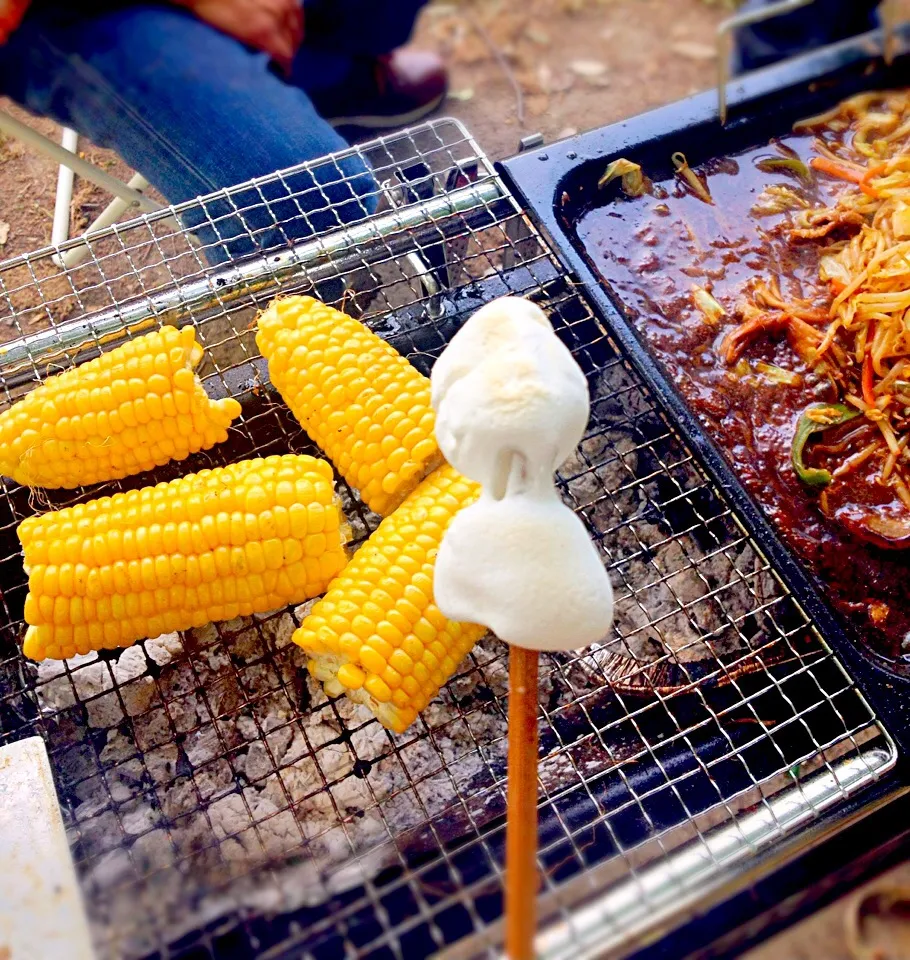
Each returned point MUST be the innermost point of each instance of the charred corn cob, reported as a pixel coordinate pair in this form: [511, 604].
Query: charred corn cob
[356, 396]
[124, 412]
[215, 545]
[377, 635]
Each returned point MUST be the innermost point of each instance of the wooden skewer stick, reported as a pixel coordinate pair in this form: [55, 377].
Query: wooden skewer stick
[521, 811]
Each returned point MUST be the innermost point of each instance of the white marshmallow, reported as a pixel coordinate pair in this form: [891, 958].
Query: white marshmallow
[525, 567]
[511, 404]
[507, 384]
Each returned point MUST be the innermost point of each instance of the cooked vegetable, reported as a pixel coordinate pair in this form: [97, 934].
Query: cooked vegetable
[778, 374]
[681, 165]
[843, 171]
[377, 635]
[868, 381]
[633, 180]
[777, 198]
[900, 221]
[712, 310]
[127, 411]
[818, 120]
[215, 545]
[786, 165]
[356, 396]
[816, 419]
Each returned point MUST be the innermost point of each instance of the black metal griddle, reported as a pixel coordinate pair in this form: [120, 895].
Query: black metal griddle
[557, 184]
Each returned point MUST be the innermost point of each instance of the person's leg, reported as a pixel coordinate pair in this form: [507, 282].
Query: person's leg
[351, 65]
[804, 29]
[360, 27]
[191, 109]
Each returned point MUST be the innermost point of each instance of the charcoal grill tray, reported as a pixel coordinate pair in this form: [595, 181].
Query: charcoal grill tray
[219, 806]
[557, 184]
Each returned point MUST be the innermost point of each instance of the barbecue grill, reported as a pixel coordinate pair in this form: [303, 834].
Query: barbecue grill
[218, 805]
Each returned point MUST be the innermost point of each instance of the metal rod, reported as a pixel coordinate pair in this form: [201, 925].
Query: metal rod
[521, 823]
[598, 911]
[22, 131]
[670, 888]
[725, 46]
[388, 235]
[61, 229]
[110, 214]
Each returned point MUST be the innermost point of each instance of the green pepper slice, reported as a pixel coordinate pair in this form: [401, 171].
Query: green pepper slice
[788, 165]
[834, 415]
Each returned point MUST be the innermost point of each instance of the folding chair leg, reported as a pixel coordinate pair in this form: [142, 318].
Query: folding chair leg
[126, 195]
[22, 131]
[65, 177]
[110, 214]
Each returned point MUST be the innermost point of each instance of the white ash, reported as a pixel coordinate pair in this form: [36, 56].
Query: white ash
[676, 594]
[217, 751]
[289, 803]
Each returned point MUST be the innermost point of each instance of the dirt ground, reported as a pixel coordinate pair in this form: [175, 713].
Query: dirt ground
[517, 67]
[578, 63]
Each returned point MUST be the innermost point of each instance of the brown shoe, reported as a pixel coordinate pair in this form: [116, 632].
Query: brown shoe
[394, 90]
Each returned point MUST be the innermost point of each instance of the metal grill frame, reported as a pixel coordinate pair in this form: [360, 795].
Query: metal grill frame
[449, 237]
[762, 105]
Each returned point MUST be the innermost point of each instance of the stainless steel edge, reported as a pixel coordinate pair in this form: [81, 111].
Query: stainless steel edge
[389, 234]
[595, 923]
[663, 894]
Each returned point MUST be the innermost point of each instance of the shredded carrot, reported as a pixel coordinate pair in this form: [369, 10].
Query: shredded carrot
[837, 286]
[843, 172]
[868, 387]
[875, 171]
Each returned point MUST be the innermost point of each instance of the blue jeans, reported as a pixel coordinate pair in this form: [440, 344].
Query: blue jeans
[195, 111]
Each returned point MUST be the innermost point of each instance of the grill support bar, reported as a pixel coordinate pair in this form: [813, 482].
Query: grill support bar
[395, 233]
[652, 900]
[655, 897]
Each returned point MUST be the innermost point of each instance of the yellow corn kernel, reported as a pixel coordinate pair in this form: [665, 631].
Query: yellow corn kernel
[377, 635]
[138, 582]
[349, 388]
[100, 422]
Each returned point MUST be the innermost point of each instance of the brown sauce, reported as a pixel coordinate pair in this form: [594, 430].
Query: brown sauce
[651, 250]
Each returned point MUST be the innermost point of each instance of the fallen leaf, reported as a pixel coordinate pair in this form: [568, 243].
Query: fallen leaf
[461, 95]
[588, 68]
[538, 36]
[550, 82]
[4, 232]
[693, 50]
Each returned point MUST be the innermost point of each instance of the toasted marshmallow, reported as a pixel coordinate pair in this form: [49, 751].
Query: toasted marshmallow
[525, 567]
[511, 404]
[507, 384]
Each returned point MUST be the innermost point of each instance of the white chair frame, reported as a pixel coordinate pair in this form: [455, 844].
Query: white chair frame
[126, 195]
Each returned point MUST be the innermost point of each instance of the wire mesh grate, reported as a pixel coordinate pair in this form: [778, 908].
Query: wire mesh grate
[217, 803]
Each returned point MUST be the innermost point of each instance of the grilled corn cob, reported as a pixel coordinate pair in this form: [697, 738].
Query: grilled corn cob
[124, 412]
[358, 399]
[377, 635]
[215, 545]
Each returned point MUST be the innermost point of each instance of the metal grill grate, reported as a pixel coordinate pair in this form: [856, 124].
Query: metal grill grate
[218, 805]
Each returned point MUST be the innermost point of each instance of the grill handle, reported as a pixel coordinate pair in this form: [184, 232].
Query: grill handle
[696, 876]
[726, 29]
[389, 235]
